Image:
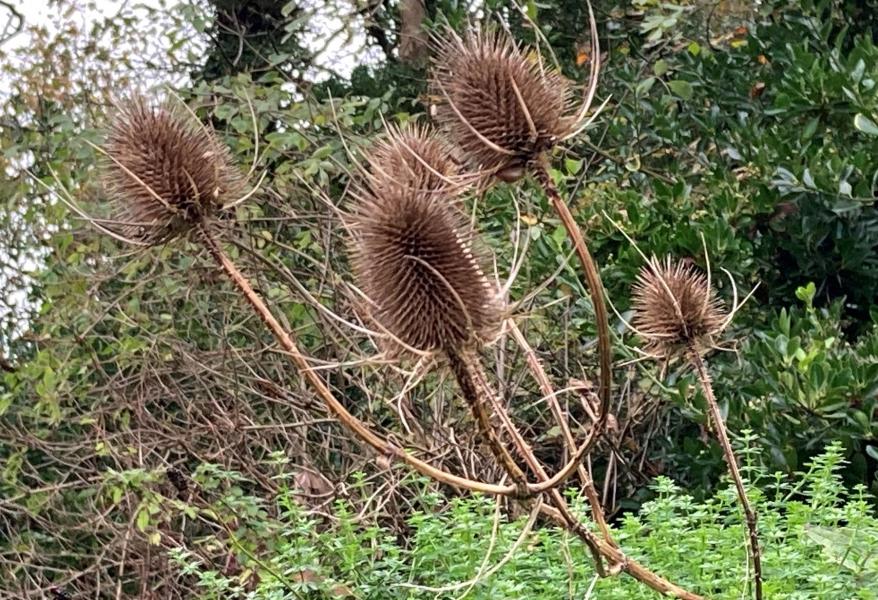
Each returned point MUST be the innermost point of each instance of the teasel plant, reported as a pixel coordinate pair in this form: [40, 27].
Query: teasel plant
[419, 267]
[150, 181]
[168, 176]
[678, 315]
[505, 110]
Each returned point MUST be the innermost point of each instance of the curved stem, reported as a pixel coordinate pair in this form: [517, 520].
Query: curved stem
[361, 430]
[352, 423]
[472, 376]
[631, 566]
[595, 290]
[732, 462]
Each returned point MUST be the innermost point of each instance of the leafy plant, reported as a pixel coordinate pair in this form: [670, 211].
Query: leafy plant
[820, 542]
[751, 126]
[803, 384]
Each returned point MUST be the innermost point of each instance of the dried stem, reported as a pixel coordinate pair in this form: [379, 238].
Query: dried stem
[357, 427]
[628, 565]
[561, 515]
[551, 397]
[732, 461]
[465, 368]
[473, 380]
[595, 289]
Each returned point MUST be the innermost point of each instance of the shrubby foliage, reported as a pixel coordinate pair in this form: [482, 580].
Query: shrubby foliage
[820, 542]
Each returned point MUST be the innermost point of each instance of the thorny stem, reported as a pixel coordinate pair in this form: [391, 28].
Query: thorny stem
[732, 462]
[595, 290]
[358, 428]
[352, 423]
[472, 379]
[464, 366]
[625, 564]
[562, 515]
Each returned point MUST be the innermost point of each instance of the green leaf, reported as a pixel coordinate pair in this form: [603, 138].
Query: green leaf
[142, 519]
[559, 235]
[572, 166]
[532, 11]
[681, 88]
[660, 67]
[806, 293]
[810, 129]
[322, 152]
[644, 86]
[865, 124]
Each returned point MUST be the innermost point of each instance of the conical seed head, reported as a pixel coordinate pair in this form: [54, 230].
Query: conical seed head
[164, 171]
[675, 309]
[412, 157]
[500, 104]
[413, 257]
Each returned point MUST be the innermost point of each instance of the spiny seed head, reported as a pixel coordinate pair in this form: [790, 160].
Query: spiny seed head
[164, 171]
[414, 258]
[413, 157]
[675, 309]
[499, 103]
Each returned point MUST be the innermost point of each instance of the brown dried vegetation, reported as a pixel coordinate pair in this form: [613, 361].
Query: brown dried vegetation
[413, 253]
[412, 156]
[164, 171]
[499, 103]
[675, 309]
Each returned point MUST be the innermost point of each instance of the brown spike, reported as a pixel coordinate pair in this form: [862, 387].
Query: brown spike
[675, 309]
[499, 103]
[414, 258]
[164, 171]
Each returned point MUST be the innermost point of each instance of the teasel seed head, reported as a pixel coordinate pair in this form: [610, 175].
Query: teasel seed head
[412, 156]
[675, 309]
[499, 102]
[416, 259]
[164, 172]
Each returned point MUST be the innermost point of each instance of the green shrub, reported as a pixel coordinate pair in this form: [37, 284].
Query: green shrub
[800, 384]
[767, 146]
[819, 542]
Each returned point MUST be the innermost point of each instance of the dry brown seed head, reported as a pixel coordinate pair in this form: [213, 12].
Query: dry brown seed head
[675, 309]
[164, 171]
[414, 258]
[413, 157]
[499, 103]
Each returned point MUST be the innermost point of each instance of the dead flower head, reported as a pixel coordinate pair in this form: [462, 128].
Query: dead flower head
[414, 258]
[164, 171]
[412, 156]
[499, 102]
[675, 309]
